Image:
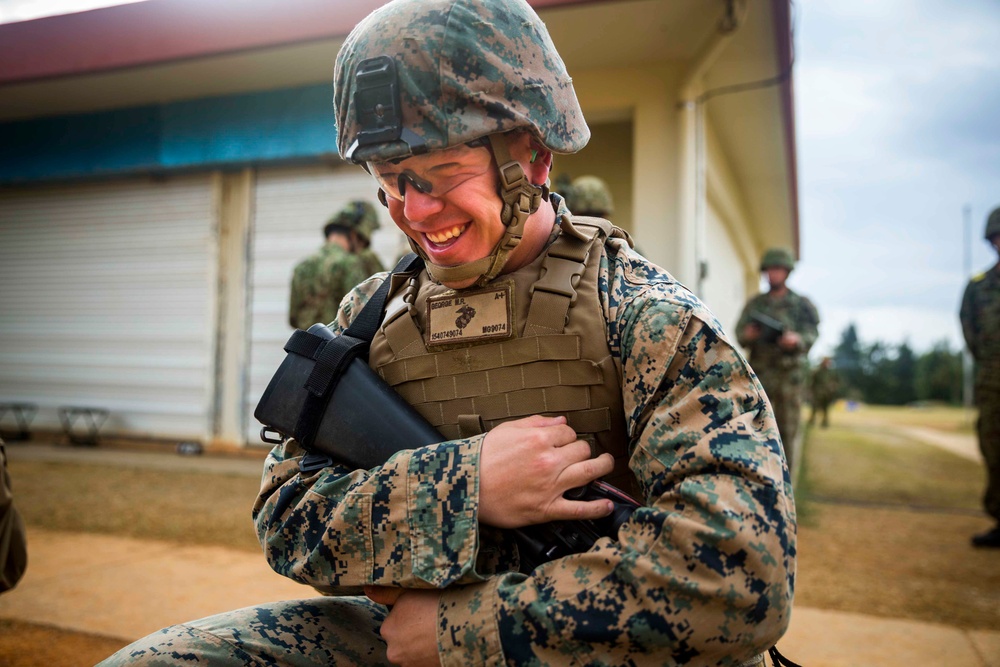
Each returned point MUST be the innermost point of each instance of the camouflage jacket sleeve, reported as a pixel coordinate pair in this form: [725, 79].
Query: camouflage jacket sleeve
[808, 324]
[338, 529]
[297, 295]
[967, 315]
[704, 574]
[744, 320]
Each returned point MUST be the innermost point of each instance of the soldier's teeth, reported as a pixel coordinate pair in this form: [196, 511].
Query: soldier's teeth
[444, 235]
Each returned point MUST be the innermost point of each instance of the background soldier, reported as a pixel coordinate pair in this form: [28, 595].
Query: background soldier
[365, 229]
[777, 329]
[662, 403]
[980, 315]
[589, 195]
[320, 281]
[13, 541]
[823, 387]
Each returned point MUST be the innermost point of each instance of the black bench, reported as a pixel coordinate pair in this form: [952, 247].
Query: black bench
[23, 414]
[91, 420]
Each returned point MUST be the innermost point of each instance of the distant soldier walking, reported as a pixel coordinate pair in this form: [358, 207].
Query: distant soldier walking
[980, 315]
[320, 281]
[823, 387]
[365, 228]
[777, 329]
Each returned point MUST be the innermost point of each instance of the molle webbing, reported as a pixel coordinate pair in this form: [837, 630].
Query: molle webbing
[557, 362]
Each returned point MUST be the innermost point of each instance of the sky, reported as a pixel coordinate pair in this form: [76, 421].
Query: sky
[25, 10]
[898, 129]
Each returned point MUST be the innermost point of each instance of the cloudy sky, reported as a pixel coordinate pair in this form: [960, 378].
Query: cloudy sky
[898, 110]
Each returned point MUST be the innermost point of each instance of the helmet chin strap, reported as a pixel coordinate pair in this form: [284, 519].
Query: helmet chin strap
[520, 199]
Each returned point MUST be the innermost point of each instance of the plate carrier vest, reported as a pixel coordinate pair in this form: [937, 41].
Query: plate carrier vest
[555, 359]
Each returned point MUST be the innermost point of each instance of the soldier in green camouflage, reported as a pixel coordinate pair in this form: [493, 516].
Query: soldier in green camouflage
[365, 229]
[824, 383]
[589, 195]
[777, 329]
[320, 281]
[416, 555]
[980, 315]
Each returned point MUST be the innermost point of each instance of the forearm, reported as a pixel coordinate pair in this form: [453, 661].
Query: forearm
[411, 522]
[700, 577]
[704, 574]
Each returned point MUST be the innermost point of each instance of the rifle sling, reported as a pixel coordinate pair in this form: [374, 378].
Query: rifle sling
[333, 356]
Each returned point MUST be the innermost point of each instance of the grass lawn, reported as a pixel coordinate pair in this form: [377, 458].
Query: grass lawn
[885, 522]
[193, 508]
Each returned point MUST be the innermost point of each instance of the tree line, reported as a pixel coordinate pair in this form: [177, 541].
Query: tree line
[886, 374]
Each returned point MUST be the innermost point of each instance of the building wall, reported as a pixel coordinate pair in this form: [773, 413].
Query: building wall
[107, 300]
[608, 155]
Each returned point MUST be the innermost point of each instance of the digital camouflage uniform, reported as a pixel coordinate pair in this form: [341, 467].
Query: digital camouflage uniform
[782, 373]
[980, 315]
[370, 263]
[702, 575]
[823, 387]
[13, 543]
[319, 282]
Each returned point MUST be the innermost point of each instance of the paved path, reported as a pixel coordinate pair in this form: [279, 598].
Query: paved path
[964, 445]
[127, 588]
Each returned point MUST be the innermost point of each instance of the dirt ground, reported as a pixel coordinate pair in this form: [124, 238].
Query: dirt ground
[28, 645]
[884, 530]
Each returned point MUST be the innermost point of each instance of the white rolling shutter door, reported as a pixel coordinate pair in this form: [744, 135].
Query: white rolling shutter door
[107, 300]
[291, 207]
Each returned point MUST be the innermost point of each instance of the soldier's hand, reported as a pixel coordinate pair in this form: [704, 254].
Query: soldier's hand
[789, 341]
[410, 629]
[525, 467]
[751, 332]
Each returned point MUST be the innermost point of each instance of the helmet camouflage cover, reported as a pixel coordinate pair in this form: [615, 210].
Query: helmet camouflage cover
[992, 224]
[777, 257]
[358, 215]
[422, 75]
[589, 195]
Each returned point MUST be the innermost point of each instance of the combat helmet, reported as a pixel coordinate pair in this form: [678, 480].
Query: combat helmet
[589, 195]
[777, 257]
[992, 224]
[424, 75]
[358, 215]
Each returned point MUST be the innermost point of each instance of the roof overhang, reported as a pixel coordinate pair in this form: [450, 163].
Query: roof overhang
[163, 51]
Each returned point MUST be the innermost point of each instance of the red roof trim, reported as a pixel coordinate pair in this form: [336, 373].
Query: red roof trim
[159, 31]
[783, 39]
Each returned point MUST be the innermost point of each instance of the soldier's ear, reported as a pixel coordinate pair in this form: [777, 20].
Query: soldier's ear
[535, 159]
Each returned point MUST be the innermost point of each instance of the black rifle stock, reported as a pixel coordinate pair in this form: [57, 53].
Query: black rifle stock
[365, 422]
[770, 328]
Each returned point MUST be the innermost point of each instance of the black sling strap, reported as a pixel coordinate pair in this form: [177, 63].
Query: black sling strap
[332, 356]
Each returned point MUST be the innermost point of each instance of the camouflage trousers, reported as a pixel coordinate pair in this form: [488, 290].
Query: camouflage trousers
[784, 389]
[988, 426]
[299, 633]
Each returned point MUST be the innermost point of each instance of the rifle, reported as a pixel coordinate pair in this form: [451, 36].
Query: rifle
[365, 422]
[770, 328]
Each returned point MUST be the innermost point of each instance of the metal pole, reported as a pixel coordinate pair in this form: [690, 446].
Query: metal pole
[967, 365]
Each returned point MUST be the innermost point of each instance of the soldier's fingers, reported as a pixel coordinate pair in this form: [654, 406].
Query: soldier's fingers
[567, 510]
[383, 594]
[586, 470]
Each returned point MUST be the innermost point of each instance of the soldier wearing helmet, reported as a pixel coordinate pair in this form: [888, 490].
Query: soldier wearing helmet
[980, 316]
[589, 195]
[320, 281]
[777, 329]
[548, 354]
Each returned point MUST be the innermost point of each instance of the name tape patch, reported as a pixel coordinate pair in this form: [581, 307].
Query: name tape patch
[469, 316]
